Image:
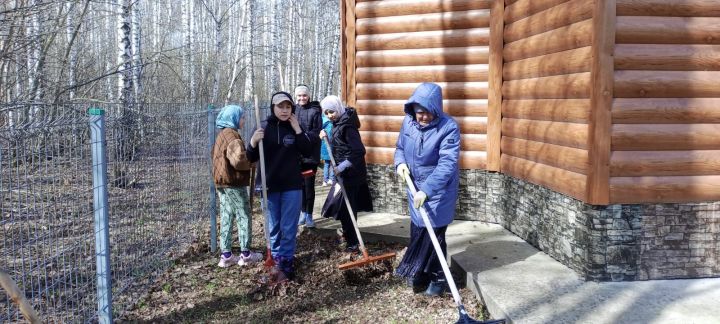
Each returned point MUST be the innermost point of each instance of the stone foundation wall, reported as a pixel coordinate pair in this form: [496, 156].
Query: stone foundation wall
[603, 243]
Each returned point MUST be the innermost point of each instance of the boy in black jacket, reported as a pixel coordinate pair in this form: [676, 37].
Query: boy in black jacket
[284, 142]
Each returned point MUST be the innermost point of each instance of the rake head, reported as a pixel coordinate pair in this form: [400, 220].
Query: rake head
[466, 319]
[366, 259]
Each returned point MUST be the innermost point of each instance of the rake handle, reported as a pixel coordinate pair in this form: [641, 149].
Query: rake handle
[269, 262]
[347, 202]
[436, 244]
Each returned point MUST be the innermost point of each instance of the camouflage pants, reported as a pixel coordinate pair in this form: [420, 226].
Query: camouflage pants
[234, 206]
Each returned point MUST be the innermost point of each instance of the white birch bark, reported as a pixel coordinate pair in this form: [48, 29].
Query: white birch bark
[33, 61]
[241, 32]
[72, 55]
[109, 66]
[124, 55]
[137, 63]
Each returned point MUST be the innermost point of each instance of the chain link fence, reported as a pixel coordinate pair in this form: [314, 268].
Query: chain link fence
[159, 200]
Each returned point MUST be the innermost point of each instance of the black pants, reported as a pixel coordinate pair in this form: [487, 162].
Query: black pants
[344, 215]
[308, 190]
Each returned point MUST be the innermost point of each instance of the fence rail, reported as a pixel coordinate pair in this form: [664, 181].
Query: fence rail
[158, 180]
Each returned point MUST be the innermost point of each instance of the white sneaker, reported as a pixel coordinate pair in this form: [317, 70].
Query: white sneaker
[253, 257]
[226, 262]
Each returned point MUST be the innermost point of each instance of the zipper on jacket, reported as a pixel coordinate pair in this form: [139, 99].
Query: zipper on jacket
[278, 132]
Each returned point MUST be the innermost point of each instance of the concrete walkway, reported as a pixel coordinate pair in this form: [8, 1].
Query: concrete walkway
[524, 285]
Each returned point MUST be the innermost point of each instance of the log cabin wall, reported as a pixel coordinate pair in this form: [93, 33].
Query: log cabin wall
[666, 112]
[546, 93]
[614, 103]
[398, 44]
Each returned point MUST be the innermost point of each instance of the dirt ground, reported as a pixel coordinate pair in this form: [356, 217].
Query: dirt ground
[196, 290]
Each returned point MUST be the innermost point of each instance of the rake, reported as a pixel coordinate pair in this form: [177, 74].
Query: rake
[464, 317]
[366, 258]
[269, 262]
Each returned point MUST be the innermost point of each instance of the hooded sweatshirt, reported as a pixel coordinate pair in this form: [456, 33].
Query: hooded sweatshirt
[431, 153]
[283, 149]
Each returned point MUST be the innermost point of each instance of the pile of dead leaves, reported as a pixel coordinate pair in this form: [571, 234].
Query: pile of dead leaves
[196, 290]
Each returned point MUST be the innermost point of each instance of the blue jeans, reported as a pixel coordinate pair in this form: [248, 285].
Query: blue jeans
[283, 211]
[328, 173]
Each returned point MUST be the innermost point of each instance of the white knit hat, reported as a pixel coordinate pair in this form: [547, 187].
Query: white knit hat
[332, 103]
[301, 89]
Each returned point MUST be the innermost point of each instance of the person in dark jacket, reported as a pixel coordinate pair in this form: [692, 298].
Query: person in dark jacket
[351, 171]
[427, 149]
[284, 142]
[309, 115]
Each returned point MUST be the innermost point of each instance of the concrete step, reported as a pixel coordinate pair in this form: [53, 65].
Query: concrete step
[524, 285]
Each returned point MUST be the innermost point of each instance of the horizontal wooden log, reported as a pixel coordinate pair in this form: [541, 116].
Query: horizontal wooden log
[667, 84]
[452, 107]
[525, 8]
[384, 156]
[374, 9]
[473, 160]
[468, 125]
[424, 22]
[666, 111]
[665, 137]
[428, 73]
[379, 155]
[564, 134]
[685, 8]
[667, 30]
[450, 90]
[559, 110]
[563, 157]
[667, 57]
[568, 86]
[677, 189]
[423, 56]
[557, 40]
[565, 62]
[558, 16]
[563, 181]
[468, 142]
[426, 39]
[379, 139]
[664, 163]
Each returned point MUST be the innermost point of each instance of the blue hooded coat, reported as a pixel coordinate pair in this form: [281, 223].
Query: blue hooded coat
[431, 153]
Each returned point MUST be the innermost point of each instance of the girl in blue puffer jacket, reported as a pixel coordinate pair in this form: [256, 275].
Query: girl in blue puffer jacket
[428, 149]
[328, 173]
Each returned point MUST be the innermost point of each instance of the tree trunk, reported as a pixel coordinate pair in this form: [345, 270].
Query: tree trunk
[137, 63]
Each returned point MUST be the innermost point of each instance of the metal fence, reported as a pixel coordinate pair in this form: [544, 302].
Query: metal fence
[159, 201]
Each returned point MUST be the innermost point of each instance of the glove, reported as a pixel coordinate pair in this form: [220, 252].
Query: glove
[343, 165]
[402, 170]
[419, 199]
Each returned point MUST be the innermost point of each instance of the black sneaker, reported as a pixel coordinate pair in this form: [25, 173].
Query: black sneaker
[436, 288]
[418, 284]
[352, 249]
